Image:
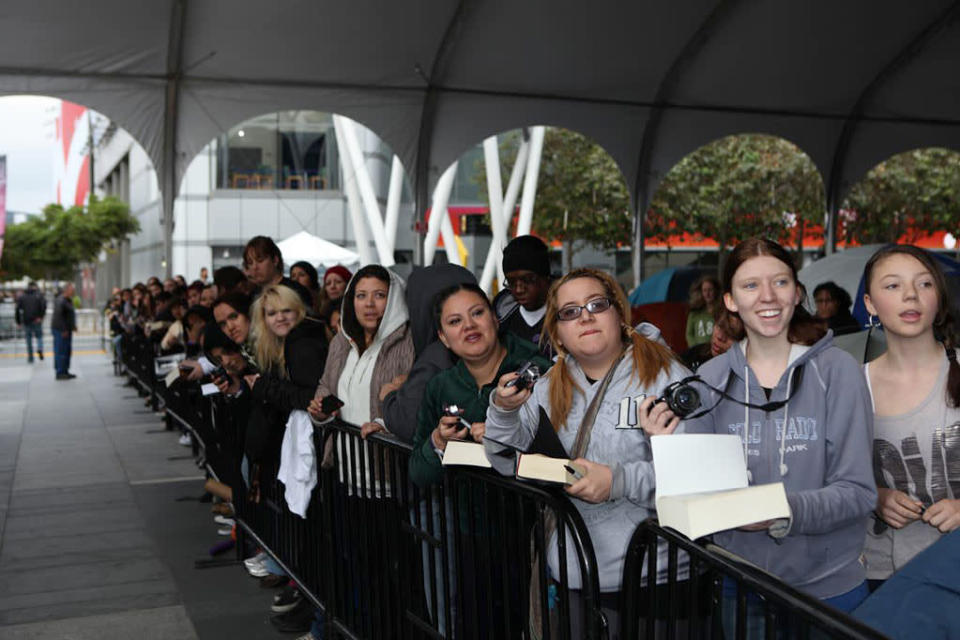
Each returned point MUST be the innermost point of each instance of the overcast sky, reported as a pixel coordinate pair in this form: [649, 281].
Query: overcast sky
[28, 138]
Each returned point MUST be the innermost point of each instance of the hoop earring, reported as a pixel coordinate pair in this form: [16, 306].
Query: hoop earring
[873, 322]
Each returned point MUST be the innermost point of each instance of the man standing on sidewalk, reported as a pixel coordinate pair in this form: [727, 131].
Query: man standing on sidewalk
[31, 307]
[62, 325]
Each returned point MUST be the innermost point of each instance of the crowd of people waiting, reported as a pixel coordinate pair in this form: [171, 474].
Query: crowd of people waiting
[396, 354]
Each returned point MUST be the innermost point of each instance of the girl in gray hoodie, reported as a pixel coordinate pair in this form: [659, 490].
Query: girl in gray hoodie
[817, 442]
[602, 362]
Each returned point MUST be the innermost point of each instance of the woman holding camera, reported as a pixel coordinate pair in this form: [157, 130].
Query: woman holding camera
[809, 426]
[590, 396]
[467, 325]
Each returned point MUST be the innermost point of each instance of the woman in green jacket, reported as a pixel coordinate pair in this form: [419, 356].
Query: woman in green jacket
[467, 325]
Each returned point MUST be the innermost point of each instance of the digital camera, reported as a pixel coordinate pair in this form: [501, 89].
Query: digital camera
[681, 398]
[454, 411]
[527, 375]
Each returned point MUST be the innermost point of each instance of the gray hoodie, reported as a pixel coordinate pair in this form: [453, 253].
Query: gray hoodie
[625, 450]
[827, 456]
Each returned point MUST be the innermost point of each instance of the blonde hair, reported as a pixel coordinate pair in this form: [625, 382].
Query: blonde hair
[649, 357]
[267, 345]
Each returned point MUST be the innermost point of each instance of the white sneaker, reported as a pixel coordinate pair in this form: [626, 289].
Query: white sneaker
[306, 636]
[258, 559]
[258, 572]
[224, 520]
[185, 440]
[225, 531]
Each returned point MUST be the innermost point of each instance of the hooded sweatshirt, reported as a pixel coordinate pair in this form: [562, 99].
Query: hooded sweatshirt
[400, 407]
[826, 454]
[357, 378]
[616, 441]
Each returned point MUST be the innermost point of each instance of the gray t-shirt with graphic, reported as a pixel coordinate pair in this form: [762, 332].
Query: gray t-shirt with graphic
[918, 453]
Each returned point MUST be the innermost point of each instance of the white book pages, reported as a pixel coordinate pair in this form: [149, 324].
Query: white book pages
[462, 453]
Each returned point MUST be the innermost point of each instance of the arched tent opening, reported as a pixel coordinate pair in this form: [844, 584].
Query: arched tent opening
[293, 172]
[556, 183]
[54, 148]
[730, 189]
[911, 197]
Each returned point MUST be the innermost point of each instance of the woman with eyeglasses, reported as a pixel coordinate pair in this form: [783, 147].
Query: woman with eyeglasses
[604, 368]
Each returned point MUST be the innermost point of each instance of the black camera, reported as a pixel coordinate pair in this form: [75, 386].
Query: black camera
[681, 398]
[219, 372]
[527, 375]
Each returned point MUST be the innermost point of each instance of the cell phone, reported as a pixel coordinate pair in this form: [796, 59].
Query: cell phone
[329, 404]
[219, 372]
[453, 411]
[186, 368]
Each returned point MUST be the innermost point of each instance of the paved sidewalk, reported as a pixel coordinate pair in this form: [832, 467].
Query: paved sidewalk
[93, 541]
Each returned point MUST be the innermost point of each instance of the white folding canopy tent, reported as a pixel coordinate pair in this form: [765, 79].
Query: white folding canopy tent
[305, 246]
[850, 83]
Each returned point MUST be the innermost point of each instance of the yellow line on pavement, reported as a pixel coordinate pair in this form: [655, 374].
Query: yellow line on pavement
[49, 354]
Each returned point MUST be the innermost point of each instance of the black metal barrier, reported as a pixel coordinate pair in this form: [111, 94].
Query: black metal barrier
[716, 594]
[470, 557]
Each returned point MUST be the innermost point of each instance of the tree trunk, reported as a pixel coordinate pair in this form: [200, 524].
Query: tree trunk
[567, 256]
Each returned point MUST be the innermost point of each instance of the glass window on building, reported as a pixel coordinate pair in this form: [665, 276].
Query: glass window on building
[285, 150]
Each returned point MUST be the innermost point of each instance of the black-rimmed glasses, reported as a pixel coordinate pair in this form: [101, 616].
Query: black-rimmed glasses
[572, 312]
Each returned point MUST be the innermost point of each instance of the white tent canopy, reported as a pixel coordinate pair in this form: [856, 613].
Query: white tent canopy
[850, 83]
[305, 246]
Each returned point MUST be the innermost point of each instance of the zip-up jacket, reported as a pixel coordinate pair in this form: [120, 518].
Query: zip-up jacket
[822, 438]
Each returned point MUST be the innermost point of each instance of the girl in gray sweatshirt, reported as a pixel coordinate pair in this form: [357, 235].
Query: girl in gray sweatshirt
[815, 439]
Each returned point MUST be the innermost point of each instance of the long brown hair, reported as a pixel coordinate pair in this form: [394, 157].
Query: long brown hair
[804, 328]
[649, 357]
[697, 301]
[944, 323]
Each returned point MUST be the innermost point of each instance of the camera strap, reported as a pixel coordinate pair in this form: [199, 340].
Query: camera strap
[767, 407]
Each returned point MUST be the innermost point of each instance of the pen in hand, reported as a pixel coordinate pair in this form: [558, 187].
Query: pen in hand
[576, 474]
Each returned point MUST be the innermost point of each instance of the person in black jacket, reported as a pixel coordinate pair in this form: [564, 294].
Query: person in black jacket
[400, 406]
[31, 307]
[833, 305]
[62, 325]
[291, 350]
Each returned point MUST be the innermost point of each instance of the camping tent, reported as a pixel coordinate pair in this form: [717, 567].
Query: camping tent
[317, 251]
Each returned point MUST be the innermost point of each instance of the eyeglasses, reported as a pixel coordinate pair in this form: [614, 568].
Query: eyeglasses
[527, 281]
[572, 312]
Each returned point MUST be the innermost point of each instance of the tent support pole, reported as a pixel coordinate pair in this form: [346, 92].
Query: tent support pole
[441, 196]
[348, 133]
[525, 223]
[393, 202]
[353, 203]
[491, 158]
[493, 263]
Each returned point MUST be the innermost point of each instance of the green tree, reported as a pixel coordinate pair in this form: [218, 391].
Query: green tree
[908, 195]
[52, 245]
[741, 186]
[738, 187]
[582, 198]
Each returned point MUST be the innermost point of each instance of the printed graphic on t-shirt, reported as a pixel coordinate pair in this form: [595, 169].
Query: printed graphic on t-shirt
[627, 418]
[901, 465]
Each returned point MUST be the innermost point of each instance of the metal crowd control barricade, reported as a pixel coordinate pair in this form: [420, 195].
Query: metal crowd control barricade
[724, 597]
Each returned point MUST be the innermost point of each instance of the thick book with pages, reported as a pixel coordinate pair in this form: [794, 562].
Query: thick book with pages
[702, 485]
[536, 466]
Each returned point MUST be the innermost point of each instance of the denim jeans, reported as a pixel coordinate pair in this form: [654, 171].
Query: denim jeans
[33, 330]
[61, 352]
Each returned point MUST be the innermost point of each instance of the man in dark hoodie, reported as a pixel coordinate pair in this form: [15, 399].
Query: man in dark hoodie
[400, 407]
[31, 307]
